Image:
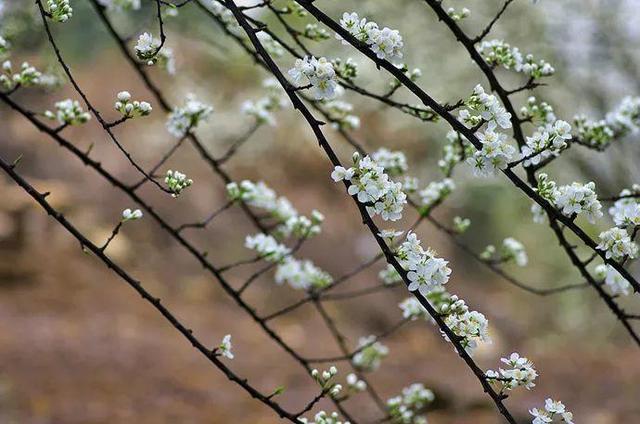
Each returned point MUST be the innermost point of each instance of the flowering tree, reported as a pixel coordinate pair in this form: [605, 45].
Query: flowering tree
[490, 134]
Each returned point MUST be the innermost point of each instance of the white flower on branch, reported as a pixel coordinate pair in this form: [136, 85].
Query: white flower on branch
[354, 384]
[425, 270]
[319, 73]
[617, 244]
[370, 354]
[497, 52]
[27, 76]
[147, 47]
[405, 408]
[495, 155]
[323, 418]
[131, 215]
[302, 275]
[547, 141]
[393, 162]
[612, 278]
[267, 247]
[471, 326]
[579, 199]
[184, 119]
[60, 10]
[386, 43]
[177, 181]
[435, 192]
[512, 249]
[373, 187]
[68, 112]
[131, 109]
[520, 373]
[552, 409]
[225, 347]
[626, 211]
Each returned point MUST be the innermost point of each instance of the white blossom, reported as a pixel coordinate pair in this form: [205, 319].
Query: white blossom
[59, 10]
[617, 244]
[267, 247]
[177, 181]
[225, 347]
[302, 275]
[370, 354]
[579, 199]
[68, 112]
[393, 162]
[147, 47]
[546, 142]
[552, 410]
[425, 271]
[495, 155]
[435, 192]
[513, 249]
[497, 52]
[120, 5]
[131, 215]
[131, 109]
[612, 278]
[373, 187]
[319, 73]
[471, 326]
[323, 418]
[626, 211]
[520, 373]
[386, 43]
[183, 119]
[404, 409]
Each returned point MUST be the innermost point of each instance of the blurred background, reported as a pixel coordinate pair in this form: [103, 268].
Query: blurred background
[78, 346]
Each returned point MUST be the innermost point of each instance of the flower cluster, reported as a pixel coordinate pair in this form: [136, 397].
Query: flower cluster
[538, 112]
[617, 244]
[618, 123]
[177, 181]
[280, 209]
[147, 48]
[354, 384]
[59, 10]
[27, 76]
[512, 249]
[552, 409]
[571, 199]
[489, 108]
[373, 187]
[547, 141]
[521, 373]
[324, 380]
[370, 354]
[499, 53]
[495, 155]
[319, 73]
[425, 270]
[461, 225]
[187, 117]
[386, 43]
[626, 211]
[346, 69]
[435, 192]
[120, 5]
[267, 247]
[131, 215]
[413, 309]
[458, 16]
[324, 418]
[225, 347]
[612, 278]
[302, 274]
[579, 199]
[131, 109]
[471, 326]
[263, 108]
[394, 163]
[68, 112]
[404, 409]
